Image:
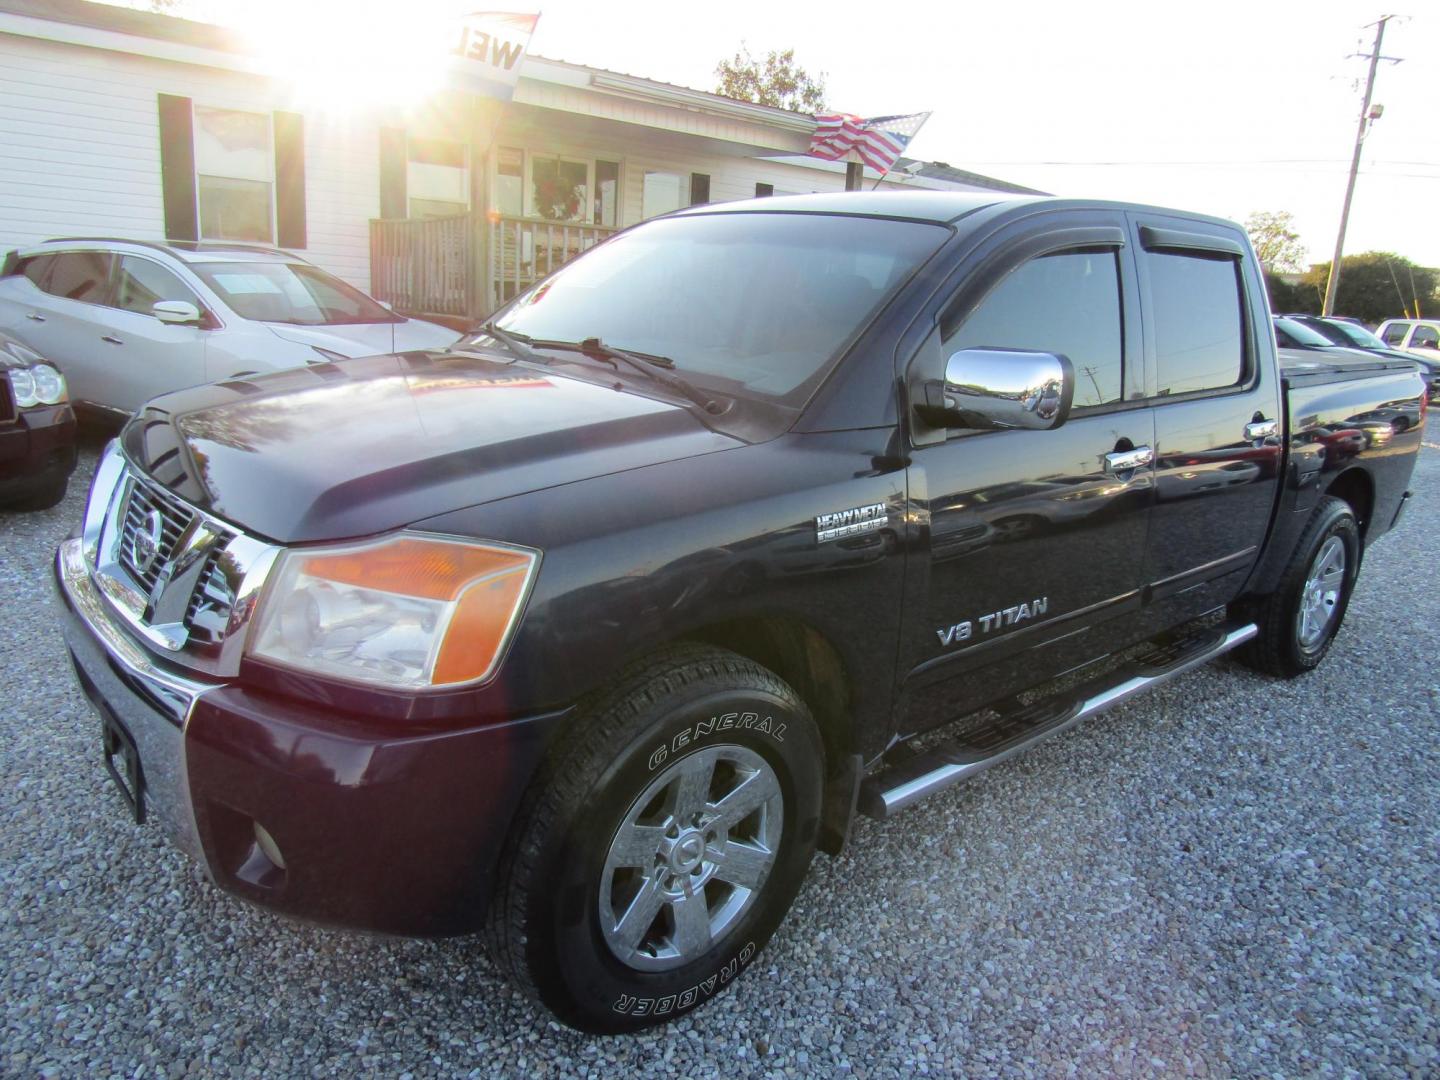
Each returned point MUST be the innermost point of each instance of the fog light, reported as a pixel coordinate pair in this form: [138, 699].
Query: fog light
[268, 847]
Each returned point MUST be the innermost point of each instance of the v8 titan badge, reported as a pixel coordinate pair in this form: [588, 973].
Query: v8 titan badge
[853, 522]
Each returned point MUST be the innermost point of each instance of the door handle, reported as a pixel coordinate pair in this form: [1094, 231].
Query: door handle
[35, 318]
[112, 339]
[1262, 429]
[1124, 461]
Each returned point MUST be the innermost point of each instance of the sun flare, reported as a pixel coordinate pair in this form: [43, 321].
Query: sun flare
[355, 56]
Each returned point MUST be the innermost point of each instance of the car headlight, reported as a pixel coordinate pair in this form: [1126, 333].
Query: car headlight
[38, 385]
[22, 387]
[49, 384]
[409, 612]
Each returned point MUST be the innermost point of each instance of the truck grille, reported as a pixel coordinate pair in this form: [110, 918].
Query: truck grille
[208, 613]
[145, 505]
[184, 581]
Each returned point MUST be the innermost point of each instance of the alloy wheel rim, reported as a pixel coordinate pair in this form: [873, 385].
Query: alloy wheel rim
[690, 857]
[1320, 595]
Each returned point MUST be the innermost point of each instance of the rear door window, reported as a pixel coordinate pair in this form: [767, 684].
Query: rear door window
[80, 275]
[1199, 321]
[1395, 335]
[35, 268]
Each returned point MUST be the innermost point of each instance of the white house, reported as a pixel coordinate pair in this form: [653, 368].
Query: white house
[117, 122]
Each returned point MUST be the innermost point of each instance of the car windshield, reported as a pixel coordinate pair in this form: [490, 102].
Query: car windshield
[1357, 335]
[1303, 334]
[748, 303]
[293, 293]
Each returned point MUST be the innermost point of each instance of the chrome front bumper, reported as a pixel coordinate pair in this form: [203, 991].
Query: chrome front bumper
[148, 698]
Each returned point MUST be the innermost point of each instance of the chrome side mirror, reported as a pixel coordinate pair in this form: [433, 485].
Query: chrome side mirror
[176, 311]
[1003, 389]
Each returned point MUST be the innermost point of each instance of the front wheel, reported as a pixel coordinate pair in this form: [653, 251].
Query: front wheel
[662, 845]
[1299, 620]
[43, 498]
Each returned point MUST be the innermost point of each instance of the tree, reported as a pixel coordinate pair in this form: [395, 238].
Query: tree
[1285, 297]
[1277, 244]
[776, 80]
[1377, 285]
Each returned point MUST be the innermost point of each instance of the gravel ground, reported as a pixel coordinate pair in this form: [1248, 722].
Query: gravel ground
[1231, 877]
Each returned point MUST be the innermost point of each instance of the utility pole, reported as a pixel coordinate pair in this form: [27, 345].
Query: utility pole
[1333, 284]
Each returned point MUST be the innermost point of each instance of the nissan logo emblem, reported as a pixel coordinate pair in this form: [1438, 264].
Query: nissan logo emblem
[145, 545]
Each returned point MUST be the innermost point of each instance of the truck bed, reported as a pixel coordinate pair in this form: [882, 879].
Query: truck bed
[1299, 367]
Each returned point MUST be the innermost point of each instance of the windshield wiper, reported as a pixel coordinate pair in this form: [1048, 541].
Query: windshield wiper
[517, 345]
[644, 363]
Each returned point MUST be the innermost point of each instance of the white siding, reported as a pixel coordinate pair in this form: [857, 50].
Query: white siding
[80, 146]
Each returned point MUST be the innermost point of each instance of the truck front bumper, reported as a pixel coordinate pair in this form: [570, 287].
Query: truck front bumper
[337, 819]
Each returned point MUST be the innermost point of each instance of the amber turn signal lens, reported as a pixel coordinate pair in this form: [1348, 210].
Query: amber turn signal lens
[430, 569]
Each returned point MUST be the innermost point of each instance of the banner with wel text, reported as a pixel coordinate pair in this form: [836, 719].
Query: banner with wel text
[489, 45]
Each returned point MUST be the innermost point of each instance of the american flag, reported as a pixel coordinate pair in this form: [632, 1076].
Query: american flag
[878, 141]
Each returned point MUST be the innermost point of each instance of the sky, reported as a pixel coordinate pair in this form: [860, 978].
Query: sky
[1219, 107]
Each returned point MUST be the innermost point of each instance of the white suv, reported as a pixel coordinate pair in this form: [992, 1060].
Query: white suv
[127, 320]
[1418, 336]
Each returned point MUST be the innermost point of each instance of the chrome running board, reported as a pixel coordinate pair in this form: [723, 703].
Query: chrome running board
[889, 792]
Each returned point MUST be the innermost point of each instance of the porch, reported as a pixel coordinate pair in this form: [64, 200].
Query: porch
[464, 266]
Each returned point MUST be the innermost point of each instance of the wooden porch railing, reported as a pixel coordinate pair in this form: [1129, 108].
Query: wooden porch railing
[523, 250]
[423, 266]
[429, 267]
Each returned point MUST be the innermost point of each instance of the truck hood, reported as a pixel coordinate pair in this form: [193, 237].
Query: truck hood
[367, 339]
[364, 446]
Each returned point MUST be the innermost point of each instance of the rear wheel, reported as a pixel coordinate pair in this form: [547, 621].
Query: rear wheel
[662, 845]
[1299, 620]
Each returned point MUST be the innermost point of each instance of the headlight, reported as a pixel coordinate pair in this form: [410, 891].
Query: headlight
[22, 386]
[38, 385]
[409, 612]
[49, 384]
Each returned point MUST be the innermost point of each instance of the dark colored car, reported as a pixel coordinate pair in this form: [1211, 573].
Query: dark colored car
[588, 632]
[1349, 334]
[37, 429]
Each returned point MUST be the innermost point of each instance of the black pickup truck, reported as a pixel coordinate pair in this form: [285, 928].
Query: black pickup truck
[588, 631]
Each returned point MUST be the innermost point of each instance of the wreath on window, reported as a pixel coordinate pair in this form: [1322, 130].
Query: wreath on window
[556, 200]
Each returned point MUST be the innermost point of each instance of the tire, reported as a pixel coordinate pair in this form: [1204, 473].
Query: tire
[43, 498]
[597, 910]
[1299, 620]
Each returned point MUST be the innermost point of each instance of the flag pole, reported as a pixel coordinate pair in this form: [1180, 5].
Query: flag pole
[907, 142]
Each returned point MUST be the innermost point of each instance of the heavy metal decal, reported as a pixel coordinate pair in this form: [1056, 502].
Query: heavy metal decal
[852, 522]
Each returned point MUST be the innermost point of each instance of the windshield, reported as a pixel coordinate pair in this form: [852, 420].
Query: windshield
[1358, 335]
[748, 303]
[293, 293]
[1302, 334]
